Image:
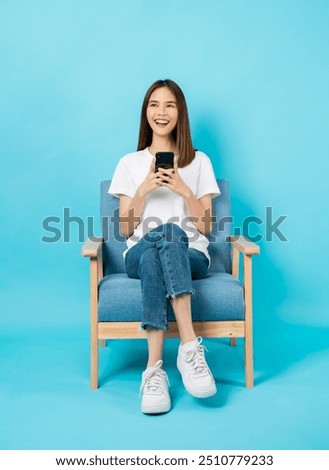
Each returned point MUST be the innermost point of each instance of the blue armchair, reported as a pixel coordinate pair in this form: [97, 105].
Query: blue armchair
[221, 307]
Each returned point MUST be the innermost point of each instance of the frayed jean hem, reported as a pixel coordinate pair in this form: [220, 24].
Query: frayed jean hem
[149, 326]
[176, 294]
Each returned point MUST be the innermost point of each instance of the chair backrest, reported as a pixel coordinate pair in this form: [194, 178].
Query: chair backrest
[114, 243]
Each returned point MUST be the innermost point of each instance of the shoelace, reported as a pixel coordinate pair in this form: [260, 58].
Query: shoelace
[153, 379]
[196, 357]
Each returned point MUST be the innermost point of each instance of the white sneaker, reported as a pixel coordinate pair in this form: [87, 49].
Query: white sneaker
[196, 375]
[154, 390]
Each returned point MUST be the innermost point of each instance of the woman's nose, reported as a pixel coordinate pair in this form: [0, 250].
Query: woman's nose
[162, 111]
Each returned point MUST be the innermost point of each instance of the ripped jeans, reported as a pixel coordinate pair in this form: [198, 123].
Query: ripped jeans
[165, 265]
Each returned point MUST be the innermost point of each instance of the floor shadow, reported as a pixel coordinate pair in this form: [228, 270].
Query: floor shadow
[124, 358]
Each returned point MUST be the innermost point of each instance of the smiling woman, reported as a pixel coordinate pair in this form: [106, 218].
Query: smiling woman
[169, 254]
[165, 100]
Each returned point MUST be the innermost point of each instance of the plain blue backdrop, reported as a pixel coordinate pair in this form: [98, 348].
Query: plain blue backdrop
[73, 76]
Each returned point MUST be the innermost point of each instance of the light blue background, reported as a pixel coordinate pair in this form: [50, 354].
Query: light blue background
[73, 76]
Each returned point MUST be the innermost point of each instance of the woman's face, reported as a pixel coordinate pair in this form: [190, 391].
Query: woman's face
[162, 113]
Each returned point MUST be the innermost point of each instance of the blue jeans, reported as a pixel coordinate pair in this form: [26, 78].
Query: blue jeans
[166, 266]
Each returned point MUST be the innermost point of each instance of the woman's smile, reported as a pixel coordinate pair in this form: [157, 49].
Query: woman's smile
[161, 122]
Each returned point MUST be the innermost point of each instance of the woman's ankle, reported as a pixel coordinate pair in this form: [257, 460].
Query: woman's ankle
[187, 339]
[151, 362]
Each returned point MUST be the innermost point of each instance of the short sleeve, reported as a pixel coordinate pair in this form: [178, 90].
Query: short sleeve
[122, 182]
[207, 183]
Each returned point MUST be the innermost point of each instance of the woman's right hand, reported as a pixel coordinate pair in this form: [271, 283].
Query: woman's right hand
[151, 181]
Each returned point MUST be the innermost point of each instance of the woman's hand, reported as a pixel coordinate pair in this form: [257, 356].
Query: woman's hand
[199, 210]
[171, 179]
[151, 181]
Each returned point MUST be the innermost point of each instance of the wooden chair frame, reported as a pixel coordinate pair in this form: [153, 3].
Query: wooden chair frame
[101, 331]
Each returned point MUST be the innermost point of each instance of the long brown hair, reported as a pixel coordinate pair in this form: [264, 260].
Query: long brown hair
[181, 134]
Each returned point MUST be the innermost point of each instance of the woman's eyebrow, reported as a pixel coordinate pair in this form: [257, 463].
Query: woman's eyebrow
[155, 101]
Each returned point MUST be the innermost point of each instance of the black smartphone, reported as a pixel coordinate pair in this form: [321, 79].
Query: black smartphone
[164, 160]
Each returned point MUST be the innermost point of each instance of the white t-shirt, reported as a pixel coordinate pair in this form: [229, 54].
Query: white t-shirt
[163, 205]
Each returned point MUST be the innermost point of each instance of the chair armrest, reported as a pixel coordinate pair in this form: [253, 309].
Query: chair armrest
[244, 245]
[91, 248]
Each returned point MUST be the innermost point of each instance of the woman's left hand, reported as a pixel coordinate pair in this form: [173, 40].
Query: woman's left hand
[172, 180]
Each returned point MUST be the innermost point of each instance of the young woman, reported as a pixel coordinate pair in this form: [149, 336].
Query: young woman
[166, 216]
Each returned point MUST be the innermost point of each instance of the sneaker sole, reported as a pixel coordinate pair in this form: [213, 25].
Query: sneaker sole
[204, 394]
[210, 392]
[156, 409]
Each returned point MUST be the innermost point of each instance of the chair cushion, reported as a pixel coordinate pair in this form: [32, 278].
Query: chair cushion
[217, 297]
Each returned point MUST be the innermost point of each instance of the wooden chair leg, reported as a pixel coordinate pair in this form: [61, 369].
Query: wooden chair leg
[93, 324]
[94, 364]
[232, 341]
[249, 366]
[249, 362]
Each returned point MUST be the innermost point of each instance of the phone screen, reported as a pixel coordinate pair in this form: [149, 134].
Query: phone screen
[164, 160]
